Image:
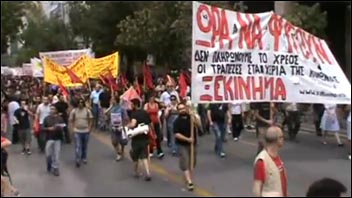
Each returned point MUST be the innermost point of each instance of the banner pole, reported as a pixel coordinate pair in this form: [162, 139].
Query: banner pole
[44, 90]
[192, 145]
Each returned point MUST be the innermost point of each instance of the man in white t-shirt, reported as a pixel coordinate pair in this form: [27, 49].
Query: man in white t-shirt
[43, 111]
[165, 96]
[165, 102]
[12, 107]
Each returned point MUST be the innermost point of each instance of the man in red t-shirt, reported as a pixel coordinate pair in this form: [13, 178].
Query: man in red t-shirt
[269, 161]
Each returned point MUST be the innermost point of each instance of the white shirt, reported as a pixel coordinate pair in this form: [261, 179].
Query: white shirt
[245, 107]
[291, 107]
[349, 117]
[12, 107]
[95, 96]
[330, 109]
[236, 108]
[55, 99]
[43, 111]
[165, 97]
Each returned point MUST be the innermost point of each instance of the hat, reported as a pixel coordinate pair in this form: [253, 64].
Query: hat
[173, 97]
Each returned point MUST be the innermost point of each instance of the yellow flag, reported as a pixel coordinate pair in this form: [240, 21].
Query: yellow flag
[98, 66]
[53, 71]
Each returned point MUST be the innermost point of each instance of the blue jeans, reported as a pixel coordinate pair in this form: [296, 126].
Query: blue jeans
[219, 130]
[170, 127]
[52, 153]
[81, 146]
[95, 112]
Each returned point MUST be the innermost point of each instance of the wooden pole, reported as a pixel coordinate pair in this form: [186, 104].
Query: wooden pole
[44, 86]
[89, 85]
[272, 111]
[192, 145]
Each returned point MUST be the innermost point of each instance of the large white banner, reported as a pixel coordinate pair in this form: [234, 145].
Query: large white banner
[6, 71]
[261, 57]
[17, 71]
[37, 68]
[27, 69]
[67, 57]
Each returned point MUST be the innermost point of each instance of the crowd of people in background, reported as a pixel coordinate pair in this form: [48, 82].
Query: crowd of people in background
[28, 107]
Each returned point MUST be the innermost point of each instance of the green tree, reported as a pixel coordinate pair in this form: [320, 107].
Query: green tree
[11, 22]
[44, 35]
[163, 29]
[309, 18]
[95, 22]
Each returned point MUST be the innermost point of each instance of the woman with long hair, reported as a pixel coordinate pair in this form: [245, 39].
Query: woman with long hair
[152, 107]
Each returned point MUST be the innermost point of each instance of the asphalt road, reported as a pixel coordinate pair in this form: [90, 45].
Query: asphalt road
[305, 161]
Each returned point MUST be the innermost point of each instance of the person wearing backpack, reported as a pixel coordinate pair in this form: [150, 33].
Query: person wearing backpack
[118, 118]
[81, 123]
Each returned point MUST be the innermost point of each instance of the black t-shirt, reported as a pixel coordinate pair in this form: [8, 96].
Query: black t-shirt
[23, 118]
[62, 107]
[182, 125]
[52, 121]
[218, 112]
[319, 108]
[142, 117]
[104, 99]
[264, 111]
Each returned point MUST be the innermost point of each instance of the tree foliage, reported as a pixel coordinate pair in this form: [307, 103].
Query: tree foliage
[96, 21]
[309, 18]
[11, 22]
[43, 34]
[164, 29]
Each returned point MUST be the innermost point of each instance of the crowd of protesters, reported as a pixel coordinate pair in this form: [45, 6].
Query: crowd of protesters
[28, 106]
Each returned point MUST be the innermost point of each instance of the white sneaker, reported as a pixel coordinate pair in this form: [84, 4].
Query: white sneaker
[349, 157]
[118, 157]
[222, 155]
[235, 139]
[151, 155]
[229, 131]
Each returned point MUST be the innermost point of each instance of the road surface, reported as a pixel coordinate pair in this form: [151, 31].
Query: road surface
[305, 161]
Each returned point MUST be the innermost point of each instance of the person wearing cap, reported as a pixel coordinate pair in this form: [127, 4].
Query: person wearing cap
[165, 97]
[171, 115]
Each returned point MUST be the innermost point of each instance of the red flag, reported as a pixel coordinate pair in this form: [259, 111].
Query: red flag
[111, 81]
[182, 85]
[104, 80]
[130, 94]
[138, 87]
[169, 80]
[73, 76]
[187, 76]
[122, 82]
[62, 87]
[148, 78]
